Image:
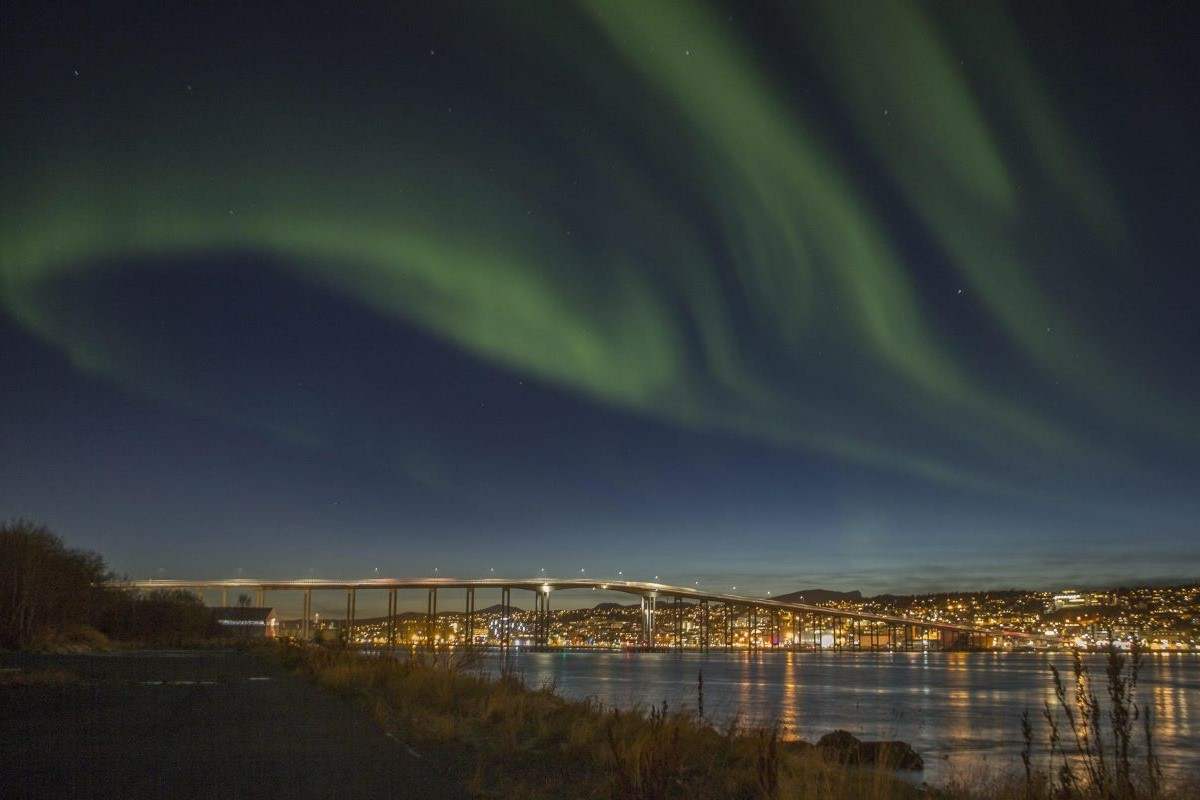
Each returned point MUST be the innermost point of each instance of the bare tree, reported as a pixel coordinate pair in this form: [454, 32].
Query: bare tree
[43, 583]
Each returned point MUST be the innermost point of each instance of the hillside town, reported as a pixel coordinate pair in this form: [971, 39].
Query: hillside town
[1163, 618]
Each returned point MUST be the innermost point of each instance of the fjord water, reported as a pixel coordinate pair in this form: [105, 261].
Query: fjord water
[961, 711]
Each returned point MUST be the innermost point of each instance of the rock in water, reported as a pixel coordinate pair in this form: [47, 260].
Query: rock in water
[846, 748]
[841, 746]
[891, 755]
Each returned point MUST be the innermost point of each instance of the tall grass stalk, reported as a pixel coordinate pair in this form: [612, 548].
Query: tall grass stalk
[1098, 760]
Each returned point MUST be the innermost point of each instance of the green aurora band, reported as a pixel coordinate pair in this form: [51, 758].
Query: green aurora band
[777, 304]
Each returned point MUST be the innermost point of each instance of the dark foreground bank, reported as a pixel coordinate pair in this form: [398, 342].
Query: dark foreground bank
[217, 724]
[302, 721]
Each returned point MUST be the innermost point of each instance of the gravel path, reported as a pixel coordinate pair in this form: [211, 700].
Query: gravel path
[183, 724]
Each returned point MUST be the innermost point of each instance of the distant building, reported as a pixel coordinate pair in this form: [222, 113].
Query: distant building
[244, 622]
[1069, 599]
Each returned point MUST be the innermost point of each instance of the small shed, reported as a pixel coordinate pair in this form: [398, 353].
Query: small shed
[244, 622]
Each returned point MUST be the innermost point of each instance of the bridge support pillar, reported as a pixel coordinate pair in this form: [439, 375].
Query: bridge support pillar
[645, 625]
[678, 622]
[307, 614]
[391, 626]
[470, 632]
[542, 627]
[649, 604]
[505, 617]
[431, 619]
[537, 619]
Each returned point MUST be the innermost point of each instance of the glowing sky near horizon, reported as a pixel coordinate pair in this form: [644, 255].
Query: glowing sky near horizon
[882, 242]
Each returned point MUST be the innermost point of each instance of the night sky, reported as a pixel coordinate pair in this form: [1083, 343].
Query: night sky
[887, 297]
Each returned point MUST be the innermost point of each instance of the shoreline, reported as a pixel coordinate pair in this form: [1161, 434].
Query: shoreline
[483, 733]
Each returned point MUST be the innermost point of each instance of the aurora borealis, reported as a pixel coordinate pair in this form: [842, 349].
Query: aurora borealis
[879, 295]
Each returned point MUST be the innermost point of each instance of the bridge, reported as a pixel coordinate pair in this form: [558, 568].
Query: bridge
[787, 624]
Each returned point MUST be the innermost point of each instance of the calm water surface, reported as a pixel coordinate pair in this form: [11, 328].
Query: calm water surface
[961, 711]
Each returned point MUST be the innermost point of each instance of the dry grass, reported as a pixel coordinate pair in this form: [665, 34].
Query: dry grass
[1095, 751]
[530, 742]
[510, 740]
[71, 639]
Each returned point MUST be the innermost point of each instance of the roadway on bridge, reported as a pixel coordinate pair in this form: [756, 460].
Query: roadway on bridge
[199, 724]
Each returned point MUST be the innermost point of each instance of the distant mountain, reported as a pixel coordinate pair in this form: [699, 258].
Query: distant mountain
[818, 596]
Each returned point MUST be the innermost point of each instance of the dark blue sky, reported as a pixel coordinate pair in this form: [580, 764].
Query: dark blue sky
[777, 297]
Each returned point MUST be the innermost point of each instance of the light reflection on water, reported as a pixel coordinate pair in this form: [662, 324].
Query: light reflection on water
[961, 711]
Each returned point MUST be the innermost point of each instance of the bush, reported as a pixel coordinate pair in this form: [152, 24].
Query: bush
[159, 617]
